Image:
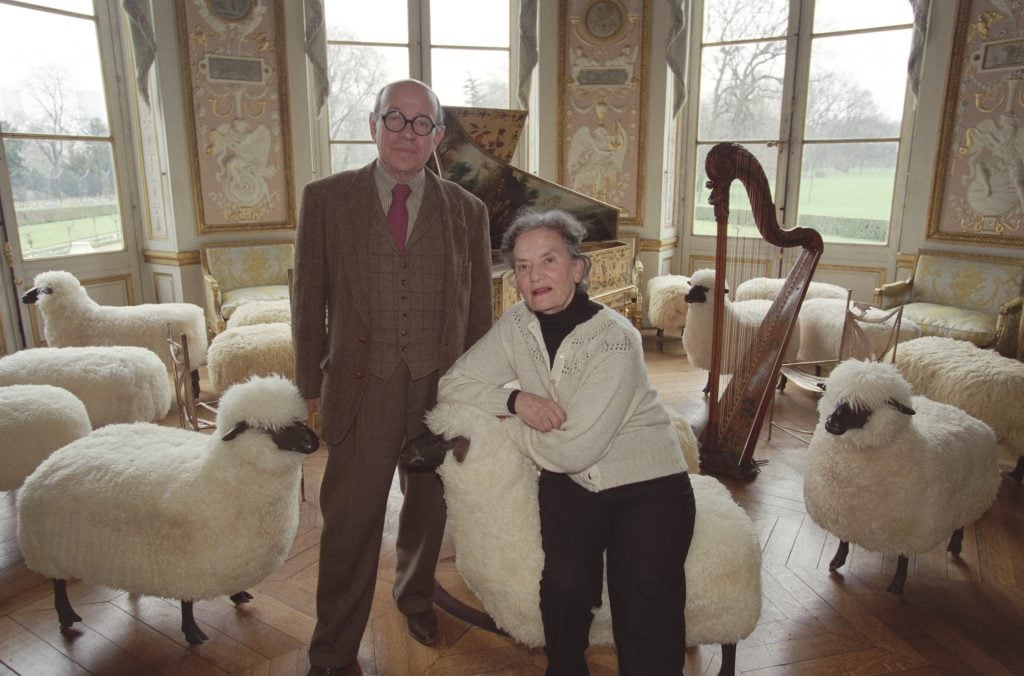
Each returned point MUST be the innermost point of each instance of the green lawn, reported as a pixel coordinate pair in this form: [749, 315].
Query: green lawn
[855, 194]
[41, 237]
[826, 202]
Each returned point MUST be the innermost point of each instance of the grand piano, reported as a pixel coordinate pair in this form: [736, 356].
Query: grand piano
[476, 153]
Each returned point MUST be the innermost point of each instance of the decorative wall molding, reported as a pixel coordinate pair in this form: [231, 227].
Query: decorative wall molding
[659, 245]
[176, 258]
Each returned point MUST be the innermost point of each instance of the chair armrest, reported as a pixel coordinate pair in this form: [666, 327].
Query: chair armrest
[214, 320]
[1008, 327]
[1012, 307]
[894, 293]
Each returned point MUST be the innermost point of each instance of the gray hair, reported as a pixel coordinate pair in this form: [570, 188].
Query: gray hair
[439, 120]
[557, 220]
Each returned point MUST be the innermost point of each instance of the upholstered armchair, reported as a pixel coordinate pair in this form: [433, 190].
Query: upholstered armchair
[968, 297]
[235, 273]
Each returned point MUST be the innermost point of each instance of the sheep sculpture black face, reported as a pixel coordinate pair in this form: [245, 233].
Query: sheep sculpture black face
[189, 515]
[892, 472]
[846, 417]
[31, 297]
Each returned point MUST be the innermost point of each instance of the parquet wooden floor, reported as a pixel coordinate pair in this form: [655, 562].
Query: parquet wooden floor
[957, 616]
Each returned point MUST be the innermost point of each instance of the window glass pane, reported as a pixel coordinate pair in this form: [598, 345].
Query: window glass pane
[379, 21]
[356, 75]
[65, 197]
[53, 90]
[846, 190]
[741, 91]
[469, 22]
[838, 15]
[741, 217]
[346, 156]
[858, 84]
[726, 20]
[466, 77]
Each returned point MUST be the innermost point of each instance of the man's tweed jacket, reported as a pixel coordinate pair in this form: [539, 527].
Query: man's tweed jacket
[330, 316]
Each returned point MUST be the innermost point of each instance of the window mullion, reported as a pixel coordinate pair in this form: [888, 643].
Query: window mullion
[419, 40]
[795, 88]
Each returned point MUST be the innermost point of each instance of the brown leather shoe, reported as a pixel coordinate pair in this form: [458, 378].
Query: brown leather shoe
[423, 626]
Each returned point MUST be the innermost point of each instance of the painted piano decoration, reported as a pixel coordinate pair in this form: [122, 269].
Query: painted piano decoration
[476, 153]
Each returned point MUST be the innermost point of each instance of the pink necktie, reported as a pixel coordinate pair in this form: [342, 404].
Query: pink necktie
[398, 214]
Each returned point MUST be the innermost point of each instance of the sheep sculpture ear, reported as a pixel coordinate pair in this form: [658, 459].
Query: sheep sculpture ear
[902, 408]
[235, 431]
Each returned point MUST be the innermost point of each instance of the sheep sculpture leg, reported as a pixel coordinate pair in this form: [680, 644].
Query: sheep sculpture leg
[896, 586]
[955, 541]
[728, 660]
[840, 556]
[193, 634]
[65, 613]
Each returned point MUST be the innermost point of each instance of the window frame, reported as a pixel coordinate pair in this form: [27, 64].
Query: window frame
[420, 49]
[791, 138]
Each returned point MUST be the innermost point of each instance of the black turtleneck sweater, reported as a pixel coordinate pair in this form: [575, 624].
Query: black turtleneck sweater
[557, 325]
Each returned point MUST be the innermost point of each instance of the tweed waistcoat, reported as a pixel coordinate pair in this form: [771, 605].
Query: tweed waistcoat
[406, 294]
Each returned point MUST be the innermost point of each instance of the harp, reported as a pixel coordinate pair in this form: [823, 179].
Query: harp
[735, 418]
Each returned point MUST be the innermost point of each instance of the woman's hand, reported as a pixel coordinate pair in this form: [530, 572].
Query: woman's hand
[539, 413]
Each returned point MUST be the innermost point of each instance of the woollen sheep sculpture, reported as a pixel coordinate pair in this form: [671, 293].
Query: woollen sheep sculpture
[494, 520]
[261, 312]
[666, 305]
[168, 512]
[72, 319]
[767, 288]
[892, 472]
[741, 318]
[821, 322]
[116, 384]
[981, 382]
[36, 420]
[239, 353]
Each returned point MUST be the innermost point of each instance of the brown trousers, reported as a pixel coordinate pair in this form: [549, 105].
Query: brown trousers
[353, 500]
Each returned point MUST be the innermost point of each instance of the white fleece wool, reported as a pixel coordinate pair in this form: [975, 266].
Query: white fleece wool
[666, 302]
[72, 319]
[237, 354]
[35, 420]
[980, 382]
[741, 319]
[494, 520]
[821, 328]
[903, 483]
[116, 384]
[687, 439]
[167, 512]
[261, 312]
[767, 288]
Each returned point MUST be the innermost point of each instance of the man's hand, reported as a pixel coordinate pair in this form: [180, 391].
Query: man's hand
[539, 413]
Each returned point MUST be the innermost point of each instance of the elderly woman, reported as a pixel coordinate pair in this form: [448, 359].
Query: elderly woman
[612, 476]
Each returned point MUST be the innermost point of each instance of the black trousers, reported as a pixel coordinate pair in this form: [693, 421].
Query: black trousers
[645, 529]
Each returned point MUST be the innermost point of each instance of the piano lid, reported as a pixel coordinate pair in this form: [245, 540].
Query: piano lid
[475, 153]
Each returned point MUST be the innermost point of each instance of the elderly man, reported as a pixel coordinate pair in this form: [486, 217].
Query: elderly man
[392, 284]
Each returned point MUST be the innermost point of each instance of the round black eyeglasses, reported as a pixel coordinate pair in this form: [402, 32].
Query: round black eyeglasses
[396, 122]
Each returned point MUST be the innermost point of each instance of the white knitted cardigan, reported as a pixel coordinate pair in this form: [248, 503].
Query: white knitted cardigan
[616, 430]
